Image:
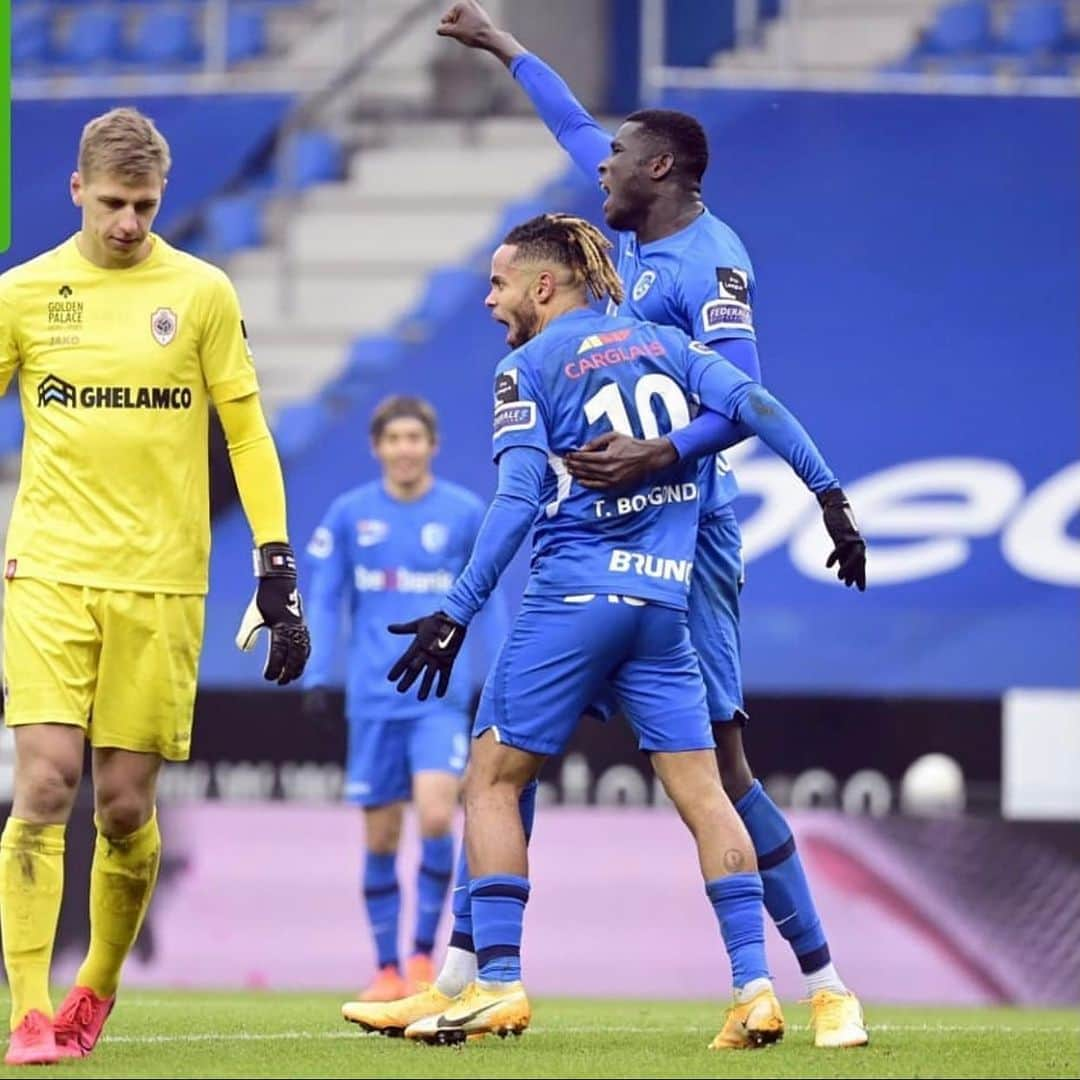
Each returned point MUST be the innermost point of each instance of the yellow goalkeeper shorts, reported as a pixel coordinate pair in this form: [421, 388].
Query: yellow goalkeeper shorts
[121, 665]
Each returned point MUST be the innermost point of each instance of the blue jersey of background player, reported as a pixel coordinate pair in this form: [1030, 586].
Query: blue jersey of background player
[683, 266]
[388, 550]
[605, 604]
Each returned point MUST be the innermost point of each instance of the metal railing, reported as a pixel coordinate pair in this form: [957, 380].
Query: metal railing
[212, 73]
[792, 64]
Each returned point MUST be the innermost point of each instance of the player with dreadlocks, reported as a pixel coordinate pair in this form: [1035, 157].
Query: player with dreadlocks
[685, 267]
[605, 605]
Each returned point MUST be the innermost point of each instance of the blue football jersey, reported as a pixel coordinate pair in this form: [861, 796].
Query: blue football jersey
[700, 280]
[393, 561]
[584, 375]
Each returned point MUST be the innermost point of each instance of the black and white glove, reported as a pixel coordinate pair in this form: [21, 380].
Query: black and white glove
[433, 650]
[849, 550]
[276, 607]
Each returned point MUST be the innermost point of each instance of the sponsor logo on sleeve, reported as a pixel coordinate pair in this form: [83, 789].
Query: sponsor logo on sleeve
[506, 386]
[515, 416]
[731, 309]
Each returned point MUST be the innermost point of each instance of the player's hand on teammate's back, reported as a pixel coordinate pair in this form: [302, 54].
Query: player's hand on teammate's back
[434, 648]
[612, 460]
[277, 608]
[849, 551]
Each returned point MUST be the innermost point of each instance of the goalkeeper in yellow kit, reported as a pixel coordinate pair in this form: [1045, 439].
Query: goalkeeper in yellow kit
[120, 343]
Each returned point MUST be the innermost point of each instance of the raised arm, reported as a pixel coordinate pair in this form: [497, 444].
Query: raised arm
[577, 132]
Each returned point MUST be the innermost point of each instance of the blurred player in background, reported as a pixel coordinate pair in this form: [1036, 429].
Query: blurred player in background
[121, 343]
[605, 604]
[392, 548]
[683, 267]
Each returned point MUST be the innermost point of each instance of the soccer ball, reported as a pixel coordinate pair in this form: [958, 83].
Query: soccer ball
[933, 786]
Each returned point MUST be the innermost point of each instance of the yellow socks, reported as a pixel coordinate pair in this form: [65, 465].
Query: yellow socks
[31, 885]
[122, 881]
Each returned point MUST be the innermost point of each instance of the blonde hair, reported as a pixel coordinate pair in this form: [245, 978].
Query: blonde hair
[125, 143]
[574, 243]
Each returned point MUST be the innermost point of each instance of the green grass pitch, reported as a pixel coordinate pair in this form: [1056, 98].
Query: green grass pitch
[159, 1034]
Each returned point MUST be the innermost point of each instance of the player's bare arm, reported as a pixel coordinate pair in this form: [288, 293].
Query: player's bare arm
[467, 22]
[612, 460]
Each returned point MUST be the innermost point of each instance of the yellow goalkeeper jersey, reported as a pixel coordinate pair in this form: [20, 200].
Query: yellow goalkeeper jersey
[116, 369]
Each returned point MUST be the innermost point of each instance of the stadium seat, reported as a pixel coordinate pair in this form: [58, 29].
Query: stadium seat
[959, 28]
[29, 38]
[94, 37]
[165, 36]
[912, 64]
[245, 34]
[233, 222]
[298, 426]
[11, 424]
[312, 157]
[371, 355]
[1035, 26]
[965, 65]
[1047, 65]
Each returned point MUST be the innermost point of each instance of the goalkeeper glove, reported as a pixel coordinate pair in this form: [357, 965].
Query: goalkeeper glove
[849, 552]
[432, 652]
[276, 607]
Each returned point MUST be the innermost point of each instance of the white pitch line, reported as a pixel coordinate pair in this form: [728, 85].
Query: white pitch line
[243, 1036]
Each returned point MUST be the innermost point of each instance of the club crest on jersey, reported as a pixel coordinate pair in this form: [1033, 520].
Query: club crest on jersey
[643, 284]
[371, 531]
[434, 536]
[163, 324]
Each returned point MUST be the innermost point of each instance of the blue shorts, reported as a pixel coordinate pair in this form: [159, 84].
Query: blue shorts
[715, 585]
[559, 656]
[713, 618]
[384, 755]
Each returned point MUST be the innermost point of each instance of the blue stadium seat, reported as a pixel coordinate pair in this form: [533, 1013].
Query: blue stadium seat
[370, 355]
[165, 36]
[29, 38]
[94, 37]
[234, 222]
[966, 65]
[1036, 26]
[312, 157]
[912, 64]
[11, 423]
[1047, 65]
[246, 34]
[298, 426]
[959, 28]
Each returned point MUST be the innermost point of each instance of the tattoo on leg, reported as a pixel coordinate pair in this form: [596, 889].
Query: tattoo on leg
[734, 860]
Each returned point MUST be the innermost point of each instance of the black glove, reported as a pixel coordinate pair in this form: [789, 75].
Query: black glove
[433, 651]
[317, 705]
[276, 607]
[849, 551]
